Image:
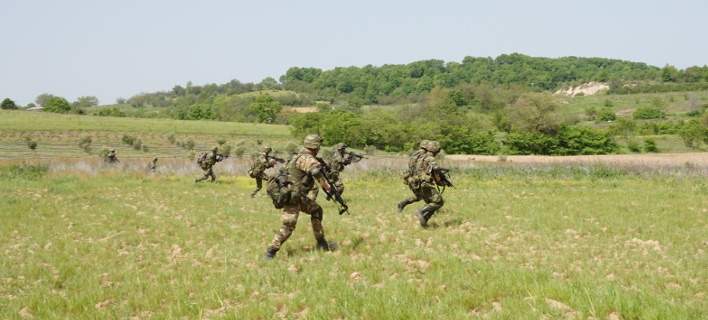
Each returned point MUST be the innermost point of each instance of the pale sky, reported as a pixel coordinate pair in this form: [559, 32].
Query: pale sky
[112, 49]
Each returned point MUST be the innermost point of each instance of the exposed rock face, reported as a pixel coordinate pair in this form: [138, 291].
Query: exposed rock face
[586, 89]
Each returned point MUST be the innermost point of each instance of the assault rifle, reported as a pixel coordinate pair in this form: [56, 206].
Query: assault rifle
[441, 177]
[280, 160]
[333, 193]
[357, 157]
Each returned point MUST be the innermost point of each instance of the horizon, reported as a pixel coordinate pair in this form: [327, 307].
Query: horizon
[120, 49]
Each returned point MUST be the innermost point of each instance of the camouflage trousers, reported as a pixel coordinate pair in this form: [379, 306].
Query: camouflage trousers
[208, 174]
[334, 176]
[289, 219]
[259, 177]
[428, 193]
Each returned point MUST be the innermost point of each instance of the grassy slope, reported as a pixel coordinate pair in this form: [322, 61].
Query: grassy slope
[58, 135]
[508, 245]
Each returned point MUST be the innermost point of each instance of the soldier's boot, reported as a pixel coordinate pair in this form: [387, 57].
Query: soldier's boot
[427, 212]
[402, 205]
[323, 245]
[270, 253]
[253, 194]
[421, 218]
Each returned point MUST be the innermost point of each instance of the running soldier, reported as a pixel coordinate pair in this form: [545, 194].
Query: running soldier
[303, 171]
[263, 162]
[152, 165]
[206, 161]
[420, 179]
[340, 159]
[111, 157]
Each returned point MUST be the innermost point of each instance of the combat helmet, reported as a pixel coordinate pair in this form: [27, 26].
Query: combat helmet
[423, 143]
[312, 141]
[215, 149]
[432, 146]
[267, 149]
[340, 146]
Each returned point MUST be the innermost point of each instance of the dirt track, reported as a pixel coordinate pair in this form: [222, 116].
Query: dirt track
[649, 160]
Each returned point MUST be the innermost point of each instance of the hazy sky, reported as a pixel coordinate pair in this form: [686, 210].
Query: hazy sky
[113, 49]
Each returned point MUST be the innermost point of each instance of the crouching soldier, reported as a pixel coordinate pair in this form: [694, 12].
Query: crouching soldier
[304, 173]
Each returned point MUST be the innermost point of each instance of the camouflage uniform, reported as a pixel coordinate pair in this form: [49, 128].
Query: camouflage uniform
[420, 181]
[262, 163]
[208, 165]
[152, 166]
[340, 159]
[304, 170]
[111, 157]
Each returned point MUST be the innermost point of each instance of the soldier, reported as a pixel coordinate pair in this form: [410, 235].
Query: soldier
[419, 179]
[111, 157]
[304, 170]
[340, 159]
[207, 161]
[263, 162]
[152, 165]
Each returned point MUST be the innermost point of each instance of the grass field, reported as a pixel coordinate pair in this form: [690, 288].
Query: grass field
[572, 243]
[58, 135]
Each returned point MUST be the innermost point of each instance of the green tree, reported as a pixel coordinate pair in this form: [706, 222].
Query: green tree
[43, 98]
[86, 102]
[57, 104]
[8, 104]
[264, 108]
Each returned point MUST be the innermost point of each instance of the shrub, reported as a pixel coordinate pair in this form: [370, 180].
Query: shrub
[8, 104]
[129, 140]
[607, 115]
[110, 112]
[85, 143]
[171, 138]
[137, 144]
[57, 104]
[650, 145]
[633, 146]
[31, 144]
[646, 113]
[189, 144]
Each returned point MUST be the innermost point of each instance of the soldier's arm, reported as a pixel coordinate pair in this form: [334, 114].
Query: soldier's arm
[317, 172]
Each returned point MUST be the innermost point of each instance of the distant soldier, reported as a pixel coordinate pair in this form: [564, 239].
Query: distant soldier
[152, 165]
[111, 157]
[340, 159]
[206, 161]
[263, 162]
[420, 178]
[303, 171]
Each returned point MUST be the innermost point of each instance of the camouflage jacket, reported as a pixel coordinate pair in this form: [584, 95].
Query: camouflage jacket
[263, 162]
[340, 160]
[304, 170]
[420, 167]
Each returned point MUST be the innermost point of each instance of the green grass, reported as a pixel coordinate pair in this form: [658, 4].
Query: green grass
[676, 104]
[58, 135]
[509, 244]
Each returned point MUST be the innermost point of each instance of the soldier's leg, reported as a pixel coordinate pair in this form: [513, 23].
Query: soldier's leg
[211, 174]
[259, 185]
[412, 199]
[316, 216]
[433, 200]
[289, 219]
[204, 177]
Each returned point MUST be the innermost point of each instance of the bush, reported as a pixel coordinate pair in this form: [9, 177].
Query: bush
[633, 146]
[110, 112]
[171, 138]
[137, 144]
[85, 143]
[650, 145]
[57, 104]
[646, 113]
[129, 140]
[31, 144]
[607, 115]
[569, 141]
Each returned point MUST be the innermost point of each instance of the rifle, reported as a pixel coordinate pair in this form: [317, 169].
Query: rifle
[441, 177]
[357, 156]
[333, 193]
[280, 160]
